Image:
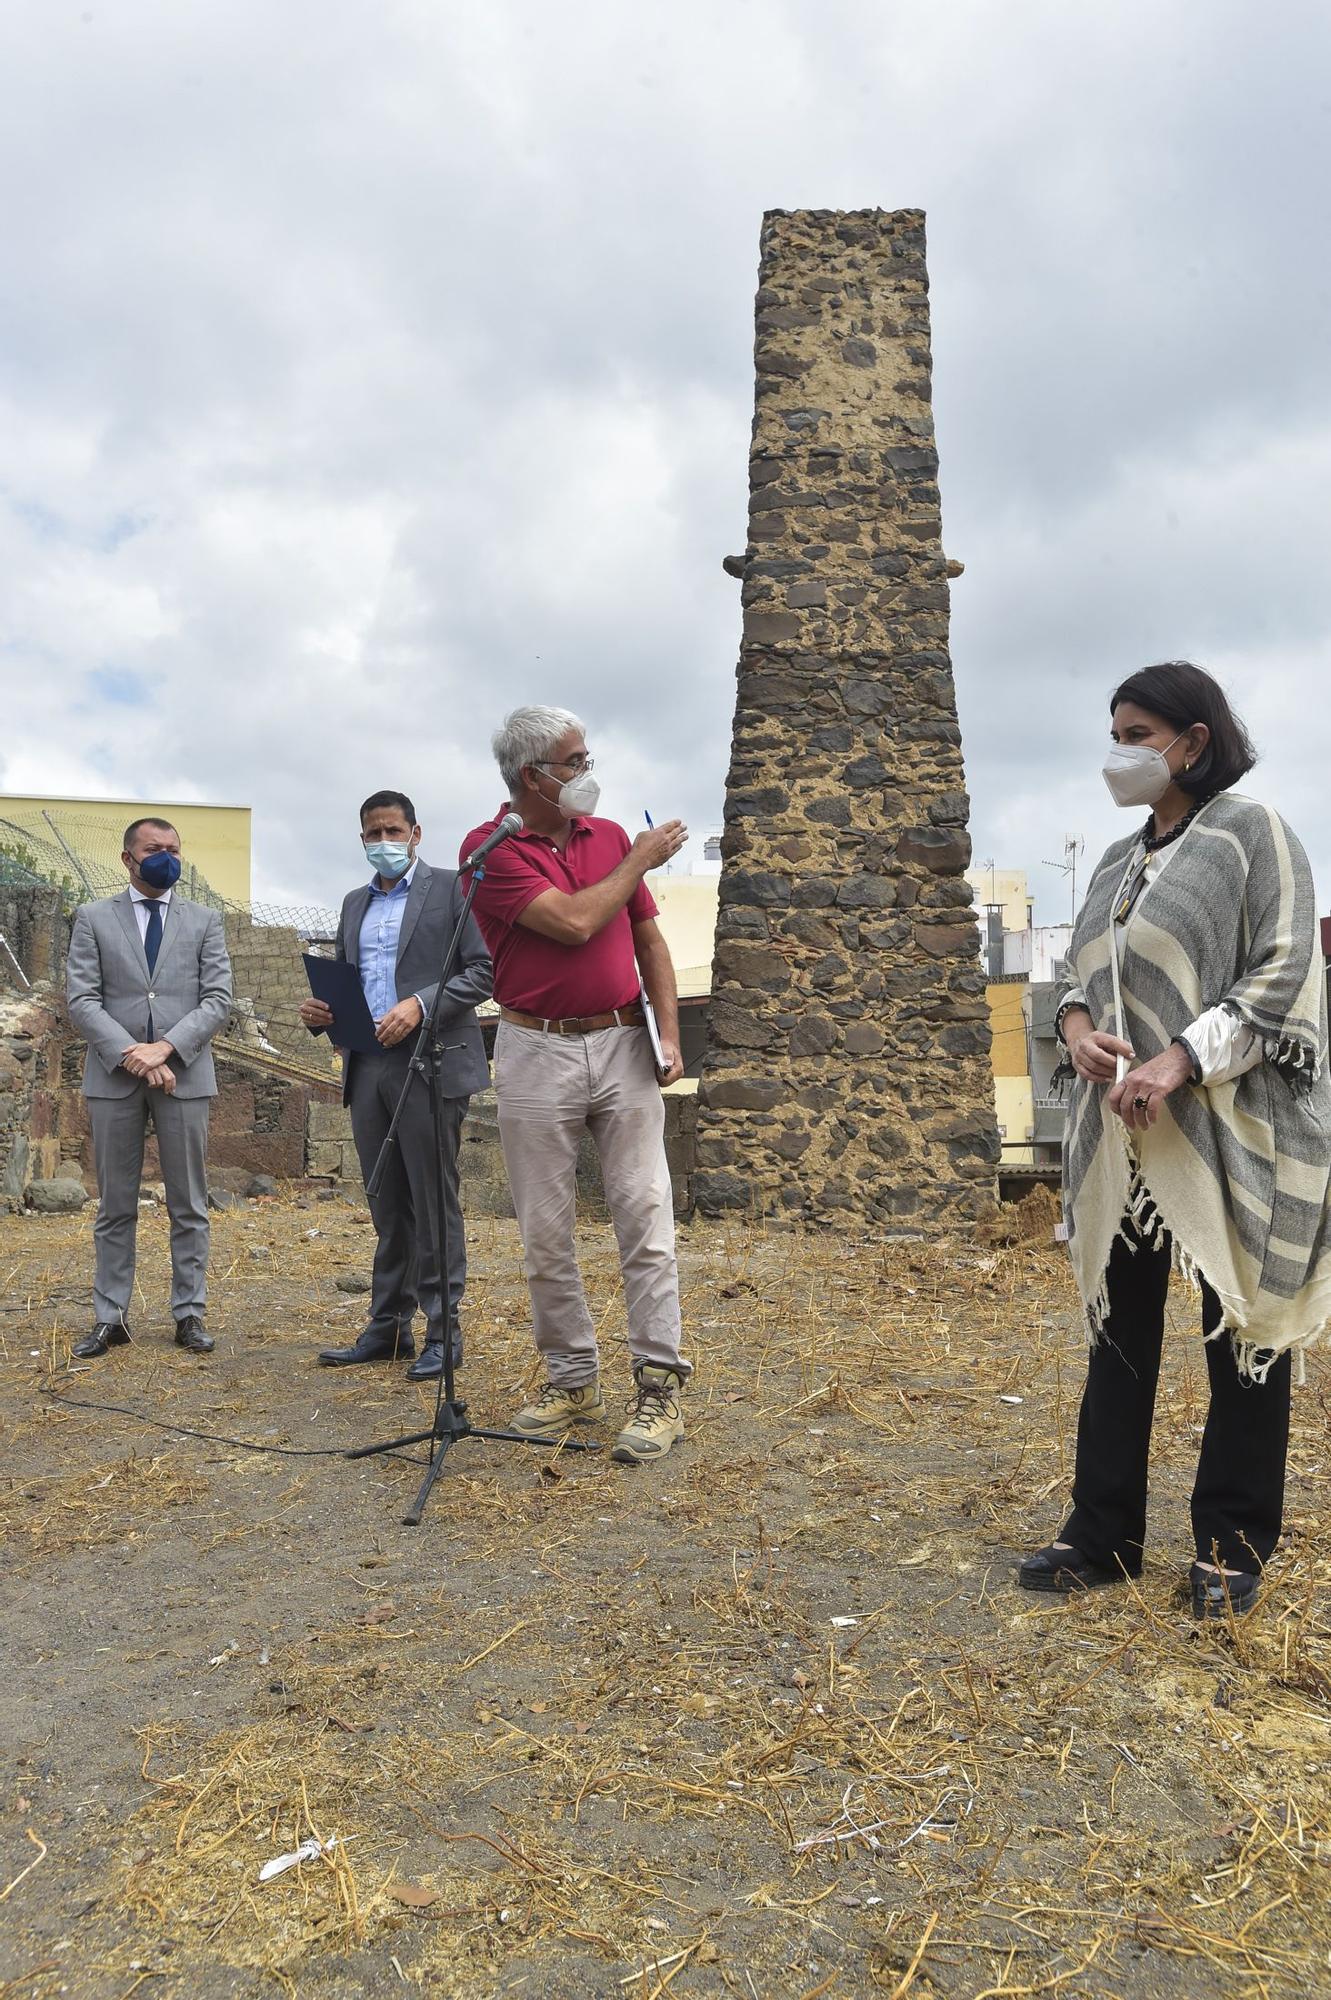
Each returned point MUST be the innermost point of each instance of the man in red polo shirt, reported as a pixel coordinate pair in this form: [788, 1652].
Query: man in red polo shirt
[571, 928]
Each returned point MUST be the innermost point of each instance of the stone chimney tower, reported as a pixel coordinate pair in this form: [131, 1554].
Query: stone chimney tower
[847, 1074]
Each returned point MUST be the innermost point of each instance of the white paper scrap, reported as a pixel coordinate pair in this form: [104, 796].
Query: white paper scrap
[309, 1850]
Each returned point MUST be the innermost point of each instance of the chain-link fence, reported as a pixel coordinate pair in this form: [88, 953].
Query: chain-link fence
[81, 860]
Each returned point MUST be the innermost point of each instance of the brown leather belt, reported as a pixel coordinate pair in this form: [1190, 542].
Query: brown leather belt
[584, 1024]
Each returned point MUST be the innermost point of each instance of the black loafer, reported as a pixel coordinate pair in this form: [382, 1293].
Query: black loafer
[431, 1363]
[1217, 1595]
[106, 1333]
[369, 1347]
[1065, 1570]
[190, 1334]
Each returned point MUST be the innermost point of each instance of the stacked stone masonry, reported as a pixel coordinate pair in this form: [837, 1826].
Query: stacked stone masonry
[847, 1077]
[40, 1128]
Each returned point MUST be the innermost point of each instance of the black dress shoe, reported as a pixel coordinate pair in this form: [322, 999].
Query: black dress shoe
[106, 1333]
[190, 1334]
[431, 1363]
[369, 1347]
[1216, 1595]
[1064, 1570]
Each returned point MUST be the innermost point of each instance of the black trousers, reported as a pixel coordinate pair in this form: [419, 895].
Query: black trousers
[1240, 1488]
[406, 1269]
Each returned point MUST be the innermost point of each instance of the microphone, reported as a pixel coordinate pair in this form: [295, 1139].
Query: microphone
[510, 824]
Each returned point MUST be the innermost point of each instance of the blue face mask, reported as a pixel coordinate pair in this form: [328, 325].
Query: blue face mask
[389, 858]
[160, 871]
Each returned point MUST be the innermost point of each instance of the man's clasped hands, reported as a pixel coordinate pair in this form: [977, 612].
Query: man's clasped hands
[151, 1061]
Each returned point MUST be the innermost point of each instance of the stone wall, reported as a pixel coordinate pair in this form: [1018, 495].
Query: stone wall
[35, 925]
[330, 1151]
[41, 1123]
[847, 1073]
[260, 1121]
[268, 985]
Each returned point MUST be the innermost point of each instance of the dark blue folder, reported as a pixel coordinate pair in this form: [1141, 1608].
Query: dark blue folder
[337, 982]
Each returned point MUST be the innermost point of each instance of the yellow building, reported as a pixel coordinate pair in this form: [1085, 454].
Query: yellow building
[1014, 1097]
[1007, 1019]
[1006, 889]
[688, 905]
[88, 834]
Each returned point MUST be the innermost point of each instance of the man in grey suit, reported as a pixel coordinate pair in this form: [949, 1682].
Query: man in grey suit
[148, 985]
[396, 930]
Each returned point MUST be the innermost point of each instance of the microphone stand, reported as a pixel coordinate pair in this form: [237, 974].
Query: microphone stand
[450, 1424]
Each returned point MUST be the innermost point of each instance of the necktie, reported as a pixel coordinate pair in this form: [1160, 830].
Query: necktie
[153, 936]
[152, 940]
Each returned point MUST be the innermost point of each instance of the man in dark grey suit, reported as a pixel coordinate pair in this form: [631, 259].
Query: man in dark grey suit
[396, 930]
[148, 986]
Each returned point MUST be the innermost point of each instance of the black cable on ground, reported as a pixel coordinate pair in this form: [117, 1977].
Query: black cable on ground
[210, 1437]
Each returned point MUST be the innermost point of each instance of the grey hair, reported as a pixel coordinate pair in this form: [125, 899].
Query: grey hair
[528, 736]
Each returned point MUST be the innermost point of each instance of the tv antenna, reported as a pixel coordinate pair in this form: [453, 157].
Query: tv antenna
[1073, 847]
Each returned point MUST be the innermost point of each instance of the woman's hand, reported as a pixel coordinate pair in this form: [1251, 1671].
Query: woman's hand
[1138, 1099]
[1093, 1054]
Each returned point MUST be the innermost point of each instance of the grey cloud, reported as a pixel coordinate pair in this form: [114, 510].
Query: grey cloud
[366, 371]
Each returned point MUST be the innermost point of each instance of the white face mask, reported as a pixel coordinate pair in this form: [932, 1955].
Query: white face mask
[1136, 774]
[579, 796]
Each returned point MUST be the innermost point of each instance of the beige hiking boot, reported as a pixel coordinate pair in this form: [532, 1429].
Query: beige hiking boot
[656, 1422]
[557, 1410]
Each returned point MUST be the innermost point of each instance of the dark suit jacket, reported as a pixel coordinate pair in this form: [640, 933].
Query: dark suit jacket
[434, 904]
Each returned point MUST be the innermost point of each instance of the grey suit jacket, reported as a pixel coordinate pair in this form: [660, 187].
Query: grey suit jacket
[434, 904]
[111, 993]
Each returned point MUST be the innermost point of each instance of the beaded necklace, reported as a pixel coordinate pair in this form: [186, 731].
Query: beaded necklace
[1154, 842]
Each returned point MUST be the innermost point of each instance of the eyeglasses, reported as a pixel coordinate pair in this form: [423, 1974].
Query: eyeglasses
[1132, 889]
[578, 764]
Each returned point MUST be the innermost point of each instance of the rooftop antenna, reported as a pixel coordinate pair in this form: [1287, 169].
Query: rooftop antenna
[1073, 846]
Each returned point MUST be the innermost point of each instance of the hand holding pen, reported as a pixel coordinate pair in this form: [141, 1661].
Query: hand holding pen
[660, 843]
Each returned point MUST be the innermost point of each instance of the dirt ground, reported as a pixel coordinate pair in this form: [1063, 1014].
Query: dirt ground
[771, 1720]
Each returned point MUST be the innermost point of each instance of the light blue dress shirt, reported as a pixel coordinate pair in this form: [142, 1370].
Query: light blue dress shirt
[380, 930]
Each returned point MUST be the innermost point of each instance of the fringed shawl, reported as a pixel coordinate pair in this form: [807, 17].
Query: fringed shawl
[1238, 1173]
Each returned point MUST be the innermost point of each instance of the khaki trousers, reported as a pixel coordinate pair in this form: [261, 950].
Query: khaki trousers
[551, 1089]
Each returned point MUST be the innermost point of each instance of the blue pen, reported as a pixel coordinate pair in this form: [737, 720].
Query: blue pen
[650, 821]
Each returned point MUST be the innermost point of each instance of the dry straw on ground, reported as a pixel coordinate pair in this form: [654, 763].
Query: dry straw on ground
[769, 1721]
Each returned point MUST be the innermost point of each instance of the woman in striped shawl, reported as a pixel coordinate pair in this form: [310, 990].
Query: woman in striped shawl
[1198, 1138]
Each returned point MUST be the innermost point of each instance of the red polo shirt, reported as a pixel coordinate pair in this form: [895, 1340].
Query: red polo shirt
[539, 975]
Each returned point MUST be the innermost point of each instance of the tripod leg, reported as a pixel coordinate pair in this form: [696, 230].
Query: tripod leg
[412, 1517]
[546, 1444]
[390, 1444]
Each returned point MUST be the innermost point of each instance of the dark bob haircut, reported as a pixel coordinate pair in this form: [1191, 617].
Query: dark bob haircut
[398, 799]
[1183, 694]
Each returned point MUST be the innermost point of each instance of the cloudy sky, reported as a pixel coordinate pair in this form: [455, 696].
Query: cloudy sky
[366, 369]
